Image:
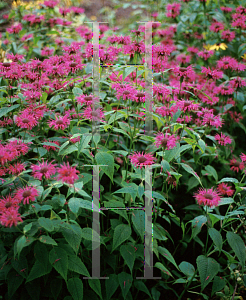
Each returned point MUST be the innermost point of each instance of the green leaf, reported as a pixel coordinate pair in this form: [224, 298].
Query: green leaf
[73, 235]
[46, 223]
[125, 281]
[197, 224]
[163, 269]
[96, 286]
[237, 245]
[187, 268]
[104, 158]
[87, 235]
[14, 280]
[84, 141]
[159, 232]
[47, 240]
[75, 204]
[121, 233]
[128, 254]
[24, 242]
[228, 179]
[216, 237]
[75, 264]
[167, 255]
[191, 171]
[41, 254]
[207, 268]
[75, 288]
[141, 287]
[138, 220]
[211, 171]
[62, 147]
[127, 71]
[5, 110]
[38, 270]
[55, 287]
[224, 201]
[111, 285]
[218, 284]
[59, 260]
[131, 189]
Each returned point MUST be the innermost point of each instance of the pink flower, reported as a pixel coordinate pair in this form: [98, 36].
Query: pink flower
[93, 115]
[228, 35]
[173, 10]
[67, 173]
[140, 160]
[166, 141]
[208, 197]
[243, 157]
[216, 27]
[8, 202]
[223, 139]
[26, 121]
[16, 28]
[10, 217]
[16, 169]
[26, 194]
[59, 122]
[225, 190]
[43, 169]
[236, 165]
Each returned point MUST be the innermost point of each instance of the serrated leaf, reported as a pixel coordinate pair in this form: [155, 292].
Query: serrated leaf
[163, 269]
[38, 270]
[46, 223]
[138, 220]
[228, 179]
[163, 251]
[141, 287]
[216, 237]
[238, 246]
[75, 288]
[197, 224]
[125, 281]
[24, 241]
[5, 110]
[75, 264]
[189, 169]
[73, 235]
[59, 260]
[218, 284]
[111, 285]
[131, 189]
[121, 233]
[96, 286]
[104, 158]
[207, 268]
[128, 254]
[211, 171]
[187, 268]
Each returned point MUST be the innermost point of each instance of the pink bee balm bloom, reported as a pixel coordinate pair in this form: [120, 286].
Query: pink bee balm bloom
[223, 139]
[243, 157]
[10, 217]
[26, 194]
[26, 121]
[67, 173]
[224, 189]
[43, 169]
[93, 115]
[60, 122]
[166, 141]
[140, 160]
[209, 197]
[236, 165]
[8, 202]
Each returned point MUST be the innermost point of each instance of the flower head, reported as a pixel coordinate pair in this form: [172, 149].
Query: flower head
[223, 139]
[224, 189]
[67, 173]
[140, 160]
[26, 194]
[166, 141]
[43, 169]
[10, 217]
[209, 197]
